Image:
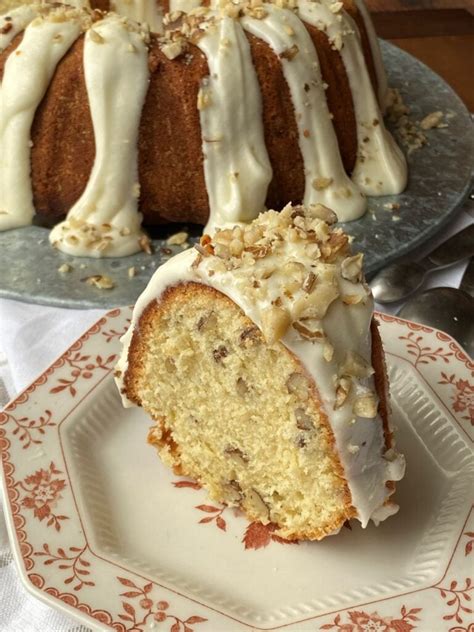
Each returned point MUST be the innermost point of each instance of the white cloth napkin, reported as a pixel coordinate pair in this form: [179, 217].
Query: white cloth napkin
[31, 338]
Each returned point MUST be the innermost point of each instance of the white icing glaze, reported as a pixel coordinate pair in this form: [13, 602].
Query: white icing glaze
[105, 220]
[184, 5]
[27, 74]
[237, 169]
[148, 11]
[368, 468]
[382, 82]
[19, 18]
[282, 30]
[380, 167]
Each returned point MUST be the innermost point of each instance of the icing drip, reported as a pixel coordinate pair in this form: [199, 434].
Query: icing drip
[380, 167]
[19, 19]
[382, 83]
[105, 220]
[237, 169]
[184, 5]
[359, 440]
[326, 181]
[148, 11]
[28, 71]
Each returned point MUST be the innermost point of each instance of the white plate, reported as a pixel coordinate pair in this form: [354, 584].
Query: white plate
[101, 529]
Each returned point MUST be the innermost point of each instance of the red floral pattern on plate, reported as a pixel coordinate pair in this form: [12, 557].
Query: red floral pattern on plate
[43, 492]
[82, 370]
[456, 599]
[463, 395]
[114, 334]
[470, 544]
[146, 610]
[424, 354]
[257, 535]
[29, 430]
[75, 561]
[425, 358]
[360, 621]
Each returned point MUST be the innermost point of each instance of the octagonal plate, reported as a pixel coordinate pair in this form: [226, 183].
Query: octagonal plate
[101, 529]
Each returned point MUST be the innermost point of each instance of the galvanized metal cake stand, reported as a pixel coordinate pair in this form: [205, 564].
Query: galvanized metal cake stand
[440, 179]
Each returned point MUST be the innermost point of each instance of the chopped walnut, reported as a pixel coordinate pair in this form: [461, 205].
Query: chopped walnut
[306, 332]
[250, 334]
[351, 268]
[343, 389]
[365, 406]
[220, 353]
[236, 455]
[207, 321]
[298, 384]
[303, 420]
[232, 492]
[174, 49]
[432, 120]
[242, 387]
[102, 282]
[309, 282]
[356, 366]
[178, 239]
[252, 234]
[316, 304]
[294, 273]
[145, 244]
[328, 351]
[256, 504]
[290, 53]
[275, 322]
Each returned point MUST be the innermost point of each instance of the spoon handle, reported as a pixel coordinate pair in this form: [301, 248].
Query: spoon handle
[456, 248]
[467, 281]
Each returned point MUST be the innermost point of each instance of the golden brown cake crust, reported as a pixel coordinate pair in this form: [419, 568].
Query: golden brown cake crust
[170, 149]
[63, 148]
[279, 126]
[339, 96]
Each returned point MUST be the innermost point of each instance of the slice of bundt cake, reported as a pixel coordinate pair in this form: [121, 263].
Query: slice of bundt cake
[259, 360]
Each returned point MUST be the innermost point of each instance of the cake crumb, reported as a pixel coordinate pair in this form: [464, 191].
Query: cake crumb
[145, 244]
[391, 206]
[432, 120]
[65, 267]
[132, 272]
[178, 239]
[100, 281]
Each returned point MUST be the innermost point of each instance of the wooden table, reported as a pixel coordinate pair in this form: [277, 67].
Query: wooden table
[439, 32]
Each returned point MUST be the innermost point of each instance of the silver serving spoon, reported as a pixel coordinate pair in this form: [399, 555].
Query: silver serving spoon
[447, 309]
[399, 280]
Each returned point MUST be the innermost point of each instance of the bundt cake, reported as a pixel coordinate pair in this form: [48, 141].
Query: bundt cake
[231, 108]
[257, 356]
